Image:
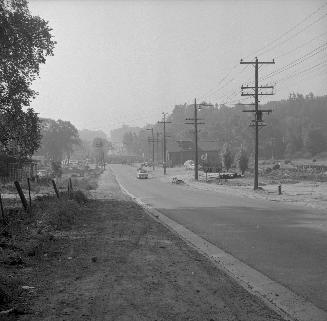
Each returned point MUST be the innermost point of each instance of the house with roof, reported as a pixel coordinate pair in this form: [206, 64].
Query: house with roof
[178, 152]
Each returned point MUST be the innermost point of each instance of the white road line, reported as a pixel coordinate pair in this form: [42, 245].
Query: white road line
[282, 300]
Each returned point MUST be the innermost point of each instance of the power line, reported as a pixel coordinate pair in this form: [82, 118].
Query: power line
[286, 40]
[308, 70]
[297, 61]
[275, 43]
[301, 46]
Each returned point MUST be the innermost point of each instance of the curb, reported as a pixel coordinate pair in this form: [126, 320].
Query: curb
[279, 298]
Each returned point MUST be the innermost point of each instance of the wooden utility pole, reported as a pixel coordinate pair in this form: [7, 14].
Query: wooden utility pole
[152, 140]
[157, 147]
[157, 141]
[164, 122]
[196, 123]
[257, 122]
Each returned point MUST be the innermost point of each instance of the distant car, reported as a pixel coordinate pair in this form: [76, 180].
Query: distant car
[229, 175]
[142, 173]
[42, 173]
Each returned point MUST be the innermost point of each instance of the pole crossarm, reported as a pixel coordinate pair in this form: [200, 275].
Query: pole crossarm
[260, 87]
[247, 104]
[258, 62]
[261, 110]
[194, 119]
[245, 94]
[194, 123]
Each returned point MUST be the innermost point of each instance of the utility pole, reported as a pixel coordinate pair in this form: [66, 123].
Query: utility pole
[164, 122]
[157, 141]
[157, 147]
[257, 122]
[152, 140]
[196, 123]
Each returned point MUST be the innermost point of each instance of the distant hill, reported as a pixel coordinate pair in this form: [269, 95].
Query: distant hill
[118, 134]
[88, 135]
[296, 128]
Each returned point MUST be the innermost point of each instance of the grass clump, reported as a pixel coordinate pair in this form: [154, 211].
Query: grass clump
[79, 197]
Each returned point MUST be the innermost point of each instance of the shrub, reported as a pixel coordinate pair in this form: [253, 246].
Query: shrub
[79, 197]
[243, 161]
[228, 157]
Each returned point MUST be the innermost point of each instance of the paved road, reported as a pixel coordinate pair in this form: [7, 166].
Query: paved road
[286, 243]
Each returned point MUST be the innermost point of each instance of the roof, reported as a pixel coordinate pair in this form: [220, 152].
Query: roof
[208, 146]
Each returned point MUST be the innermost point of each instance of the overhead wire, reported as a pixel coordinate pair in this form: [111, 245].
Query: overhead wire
[307, 70]
[297, 61]
[274, 43]
[301, 46]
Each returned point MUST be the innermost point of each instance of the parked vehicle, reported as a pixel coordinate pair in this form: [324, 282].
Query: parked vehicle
[42, 173]
[142, 173]
[229, 175]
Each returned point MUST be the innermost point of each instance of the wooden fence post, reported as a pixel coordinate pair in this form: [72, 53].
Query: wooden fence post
[70, 184]
[21, 195]
[2, 211]
[29, 191]
[55, 187]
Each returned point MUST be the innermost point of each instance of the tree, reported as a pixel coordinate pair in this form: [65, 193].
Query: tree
[101, 146]
[316, 142]
[243, 161]
[58, 139]
[20, 133]
[128, 141]
[227, 156]
[26, 41]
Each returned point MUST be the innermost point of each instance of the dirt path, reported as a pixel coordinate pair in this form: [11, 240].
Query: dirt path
[120, 265]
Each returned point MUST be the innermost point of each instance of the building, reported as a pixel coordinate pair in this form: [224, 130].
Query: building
[178, 152]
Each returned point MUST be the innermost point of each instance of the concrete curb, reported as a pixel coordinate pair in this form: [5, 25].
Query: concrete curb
[279, 298]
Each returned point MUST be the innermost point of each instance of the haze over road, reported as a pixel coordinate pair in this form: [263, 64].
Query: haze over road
[286, 243]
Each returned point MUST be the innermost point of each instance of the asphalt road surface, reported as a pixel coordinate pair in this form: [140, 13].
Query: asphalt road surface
[286, 243]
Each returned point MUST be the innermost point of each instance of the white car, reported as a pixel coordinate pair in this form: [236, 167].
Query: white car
[142, 173]
[42, 173]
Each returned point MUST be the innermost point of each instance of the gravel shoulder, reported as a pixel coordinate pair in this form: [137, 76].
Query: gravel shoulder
[303, 193]
[119, 264]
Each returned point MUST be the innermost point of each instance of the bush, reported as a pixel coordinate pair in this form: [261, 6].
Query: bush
[227, 157]
[243, 161]
[79, 197]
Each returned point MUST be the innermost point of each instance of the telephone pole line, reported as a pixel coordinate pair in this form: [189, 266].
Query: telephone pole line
[196, 123]
[164, 122]
[257, 122]
[152, 140]
[158, 141]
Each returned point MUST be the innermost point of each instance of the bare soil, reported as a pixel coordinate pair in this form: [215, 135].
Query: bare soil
[307, 189]
[117, 263]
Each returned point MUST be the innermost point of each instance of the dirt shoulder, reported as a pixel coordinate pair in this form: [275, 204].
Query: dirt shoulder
[117, 263]
[302, 193]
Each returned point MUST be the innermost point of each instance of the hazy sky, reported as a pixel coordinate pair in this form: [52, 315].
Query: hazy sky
[125, 62]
